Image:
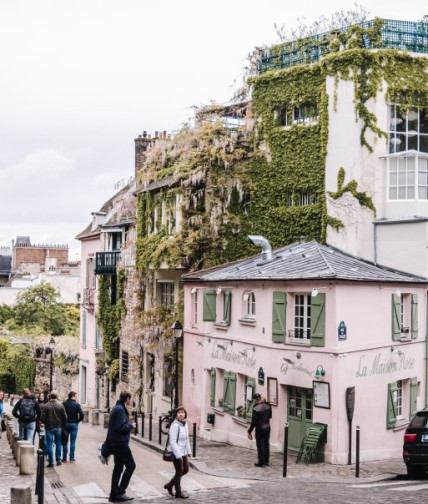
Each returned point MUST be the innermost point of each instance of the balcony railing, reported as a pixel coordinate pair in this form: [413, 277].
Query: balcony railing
[402, 35]
[105, 263]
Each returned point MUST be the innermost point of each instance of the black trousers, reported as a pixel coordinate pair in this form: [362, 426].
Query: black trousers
[122, 458]
[262, 442]
[181, 467]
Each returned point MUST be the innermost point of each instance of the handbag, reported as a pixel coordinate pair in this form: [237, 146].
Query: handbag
[3, 425]
[169, 456]
[104, 452]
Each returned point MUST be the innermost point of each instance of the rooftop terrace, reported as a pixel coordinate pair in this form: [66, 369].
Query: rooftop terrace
[374, 34]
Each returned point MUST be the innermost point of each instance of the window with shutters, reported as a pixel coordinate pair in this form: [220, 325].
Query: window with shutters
[166, 294]
[302, 318]
[227, 309]
[250, 389]
[229, 391]
[404, 317]
[402, 402]
[209, 305]
[308, 320]
[279, 308]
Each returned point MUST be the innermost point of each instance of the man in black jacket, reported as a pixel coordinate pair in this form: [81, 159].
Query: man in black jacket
[262, 413]
[118, 436]
[74, 416]
[27, 411]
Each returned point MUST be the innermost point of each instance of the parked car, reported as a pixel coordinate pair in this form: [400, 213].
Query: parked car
[415, 447]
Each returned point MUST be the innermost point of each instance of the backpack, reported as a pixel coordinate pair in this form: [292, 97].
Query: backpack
[27, 411]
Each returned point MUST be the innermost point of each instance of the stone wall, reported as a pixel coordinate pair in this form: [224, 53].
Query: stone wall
[62, 382]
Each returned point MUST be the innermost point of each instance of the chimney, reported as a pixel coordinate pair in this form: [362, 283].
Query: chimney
[141, 144]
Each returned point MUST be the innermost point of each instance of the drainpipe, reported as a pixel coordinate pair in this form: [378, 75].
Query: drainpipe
[426, 354]
[375, 242]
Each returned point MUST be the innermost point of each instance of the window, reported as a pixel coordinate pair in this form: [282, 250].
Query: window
[249, 391]
[84, 317]
[124, 366]
[97, 335]
[227, 307]
[195, 307]
[401, 402]
[250, 305]
[302, 316]
[229, 391]
[404, 316]
[212, 389]
[305, 198]
[408, 178]
[166, 294]
[304, 114]
[279, 316]
[408, 130]
[167, 377]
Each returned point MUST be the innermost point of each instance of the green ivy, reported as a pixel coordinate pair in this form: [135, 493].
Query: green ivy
[351, 187]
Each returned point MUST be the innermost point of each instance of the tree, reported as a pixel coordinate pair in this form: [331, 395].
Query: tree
[39, 306]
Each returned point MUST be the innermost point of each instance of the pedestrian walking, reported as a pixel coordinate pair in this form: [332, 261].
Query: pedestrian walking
[27, 411]
[118, 436]
[55, 419]
[1, 409]
[179, 444]
[41, 401]
[74, 416]
[262, 413]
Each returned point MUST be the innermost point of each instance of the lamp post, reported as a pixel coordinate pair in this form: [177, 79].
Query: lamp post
[51, 346]
[177, 330]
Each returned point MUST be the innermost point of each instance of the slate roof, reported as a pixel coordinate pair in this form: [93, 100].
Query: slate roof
[303, 261]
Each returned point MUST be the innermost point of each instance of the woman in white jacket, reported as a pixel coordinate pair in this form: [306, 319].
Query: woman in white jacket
[179, 444]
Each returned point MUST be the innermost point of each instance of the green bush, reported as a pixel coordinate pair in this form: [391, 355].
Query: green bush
[7, 382]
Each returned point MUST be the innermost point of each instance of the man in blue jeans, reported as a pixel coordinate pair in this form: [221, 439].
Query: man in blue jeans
[74, 416]
[27, 411]
[55, 419]
[118, 437]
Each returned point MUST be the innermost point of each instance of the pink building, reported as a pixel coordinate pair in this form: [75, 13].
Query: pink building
[312, 329]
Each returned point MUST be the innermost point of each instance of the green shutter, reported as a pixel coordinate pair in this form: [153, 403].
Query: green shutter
[414, 318]
[396, 317]
[251, 382]
[390, 410]
[318, 320]
[212, 395]
[413, 397]
[209, 301]
[227, 307]
[278, 317]
[229, 391]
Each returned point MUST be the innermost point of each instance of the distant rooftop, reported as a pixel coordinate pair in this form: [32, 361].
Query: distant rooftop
[377, 34]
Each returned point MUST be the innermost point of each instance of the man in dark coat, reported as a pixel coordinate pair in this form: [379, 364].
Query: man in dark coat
[118, 435]
[262, 413]
[55, 419]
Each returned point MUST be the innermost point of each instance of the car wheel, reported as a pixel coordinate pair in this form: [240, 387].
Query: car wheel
[414, 472]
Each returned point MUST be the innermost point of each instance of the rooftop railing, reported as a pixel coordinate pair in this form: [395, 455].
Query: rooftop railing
[403, 35]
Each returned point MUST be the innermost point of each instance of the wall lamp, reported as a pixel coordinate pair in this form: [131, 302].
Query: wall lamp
[292, 358]
[319, 373]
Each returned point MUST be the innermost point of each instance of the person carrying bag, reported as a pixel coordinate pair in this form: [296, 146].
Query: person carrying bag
[179, 445]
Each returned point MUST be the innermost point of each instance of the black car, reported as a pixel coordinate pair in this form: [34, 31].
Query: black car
[415, 447]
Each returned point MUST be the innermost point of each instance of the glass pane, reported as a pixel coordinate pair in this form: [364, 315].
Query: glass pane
[402, 179]
[411, 192]
[393, 193]
[412, 142]
[411, 161]
[423, 121]
[422, 178]
[422, 193]
[393, 179]
[400, 143]
[423, 143]
[401, 193]
[422, 165]
[400, 120]
[411, 178]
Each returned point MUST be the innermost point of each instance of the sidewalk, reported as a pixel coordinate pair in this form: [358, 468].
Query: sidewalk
[224, 460]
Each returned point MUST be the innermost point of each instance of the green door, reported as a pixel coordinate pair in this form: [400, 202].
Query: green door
[299, 415]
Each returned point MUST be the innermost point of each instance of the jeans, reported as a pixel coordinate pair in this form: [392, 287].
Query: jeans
[51, 436]
[27, 431]
[72, 429]
[122, 458]
[262, 442]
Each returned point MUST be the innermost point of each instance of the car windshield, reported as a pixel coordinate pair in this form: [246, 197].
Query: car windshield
[420, 421]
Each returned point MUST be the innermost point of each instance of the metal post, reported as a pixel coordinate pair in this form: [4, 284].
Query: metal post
[50, 371]
[284, 466]
[194, 440]
[350, 443]
[40, 477]
[176, 374]
[150, 426]
[357, 453]
[136, 423]
[160, 430]
[142, 423]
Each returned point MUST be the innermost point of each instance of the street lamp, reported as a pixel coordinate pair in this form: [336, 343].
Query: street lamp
[177, 331]
[51, 346]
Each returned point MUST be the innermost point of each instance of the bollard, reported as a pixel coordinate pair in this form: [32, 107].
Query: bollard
[284, 466]
[150, 426]
[40, 477]
[142, 423]
[26, 457]
[357, 452]
[95, 417]
[194, 440]
[20, 495]
[19, 446]
[85, 416]
[160, 430]
[14, 440]
[106, 420]
[136, 423]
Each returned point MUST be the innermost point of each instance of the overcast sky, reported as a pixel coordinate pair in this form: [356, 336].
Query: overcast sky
[81, 79]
